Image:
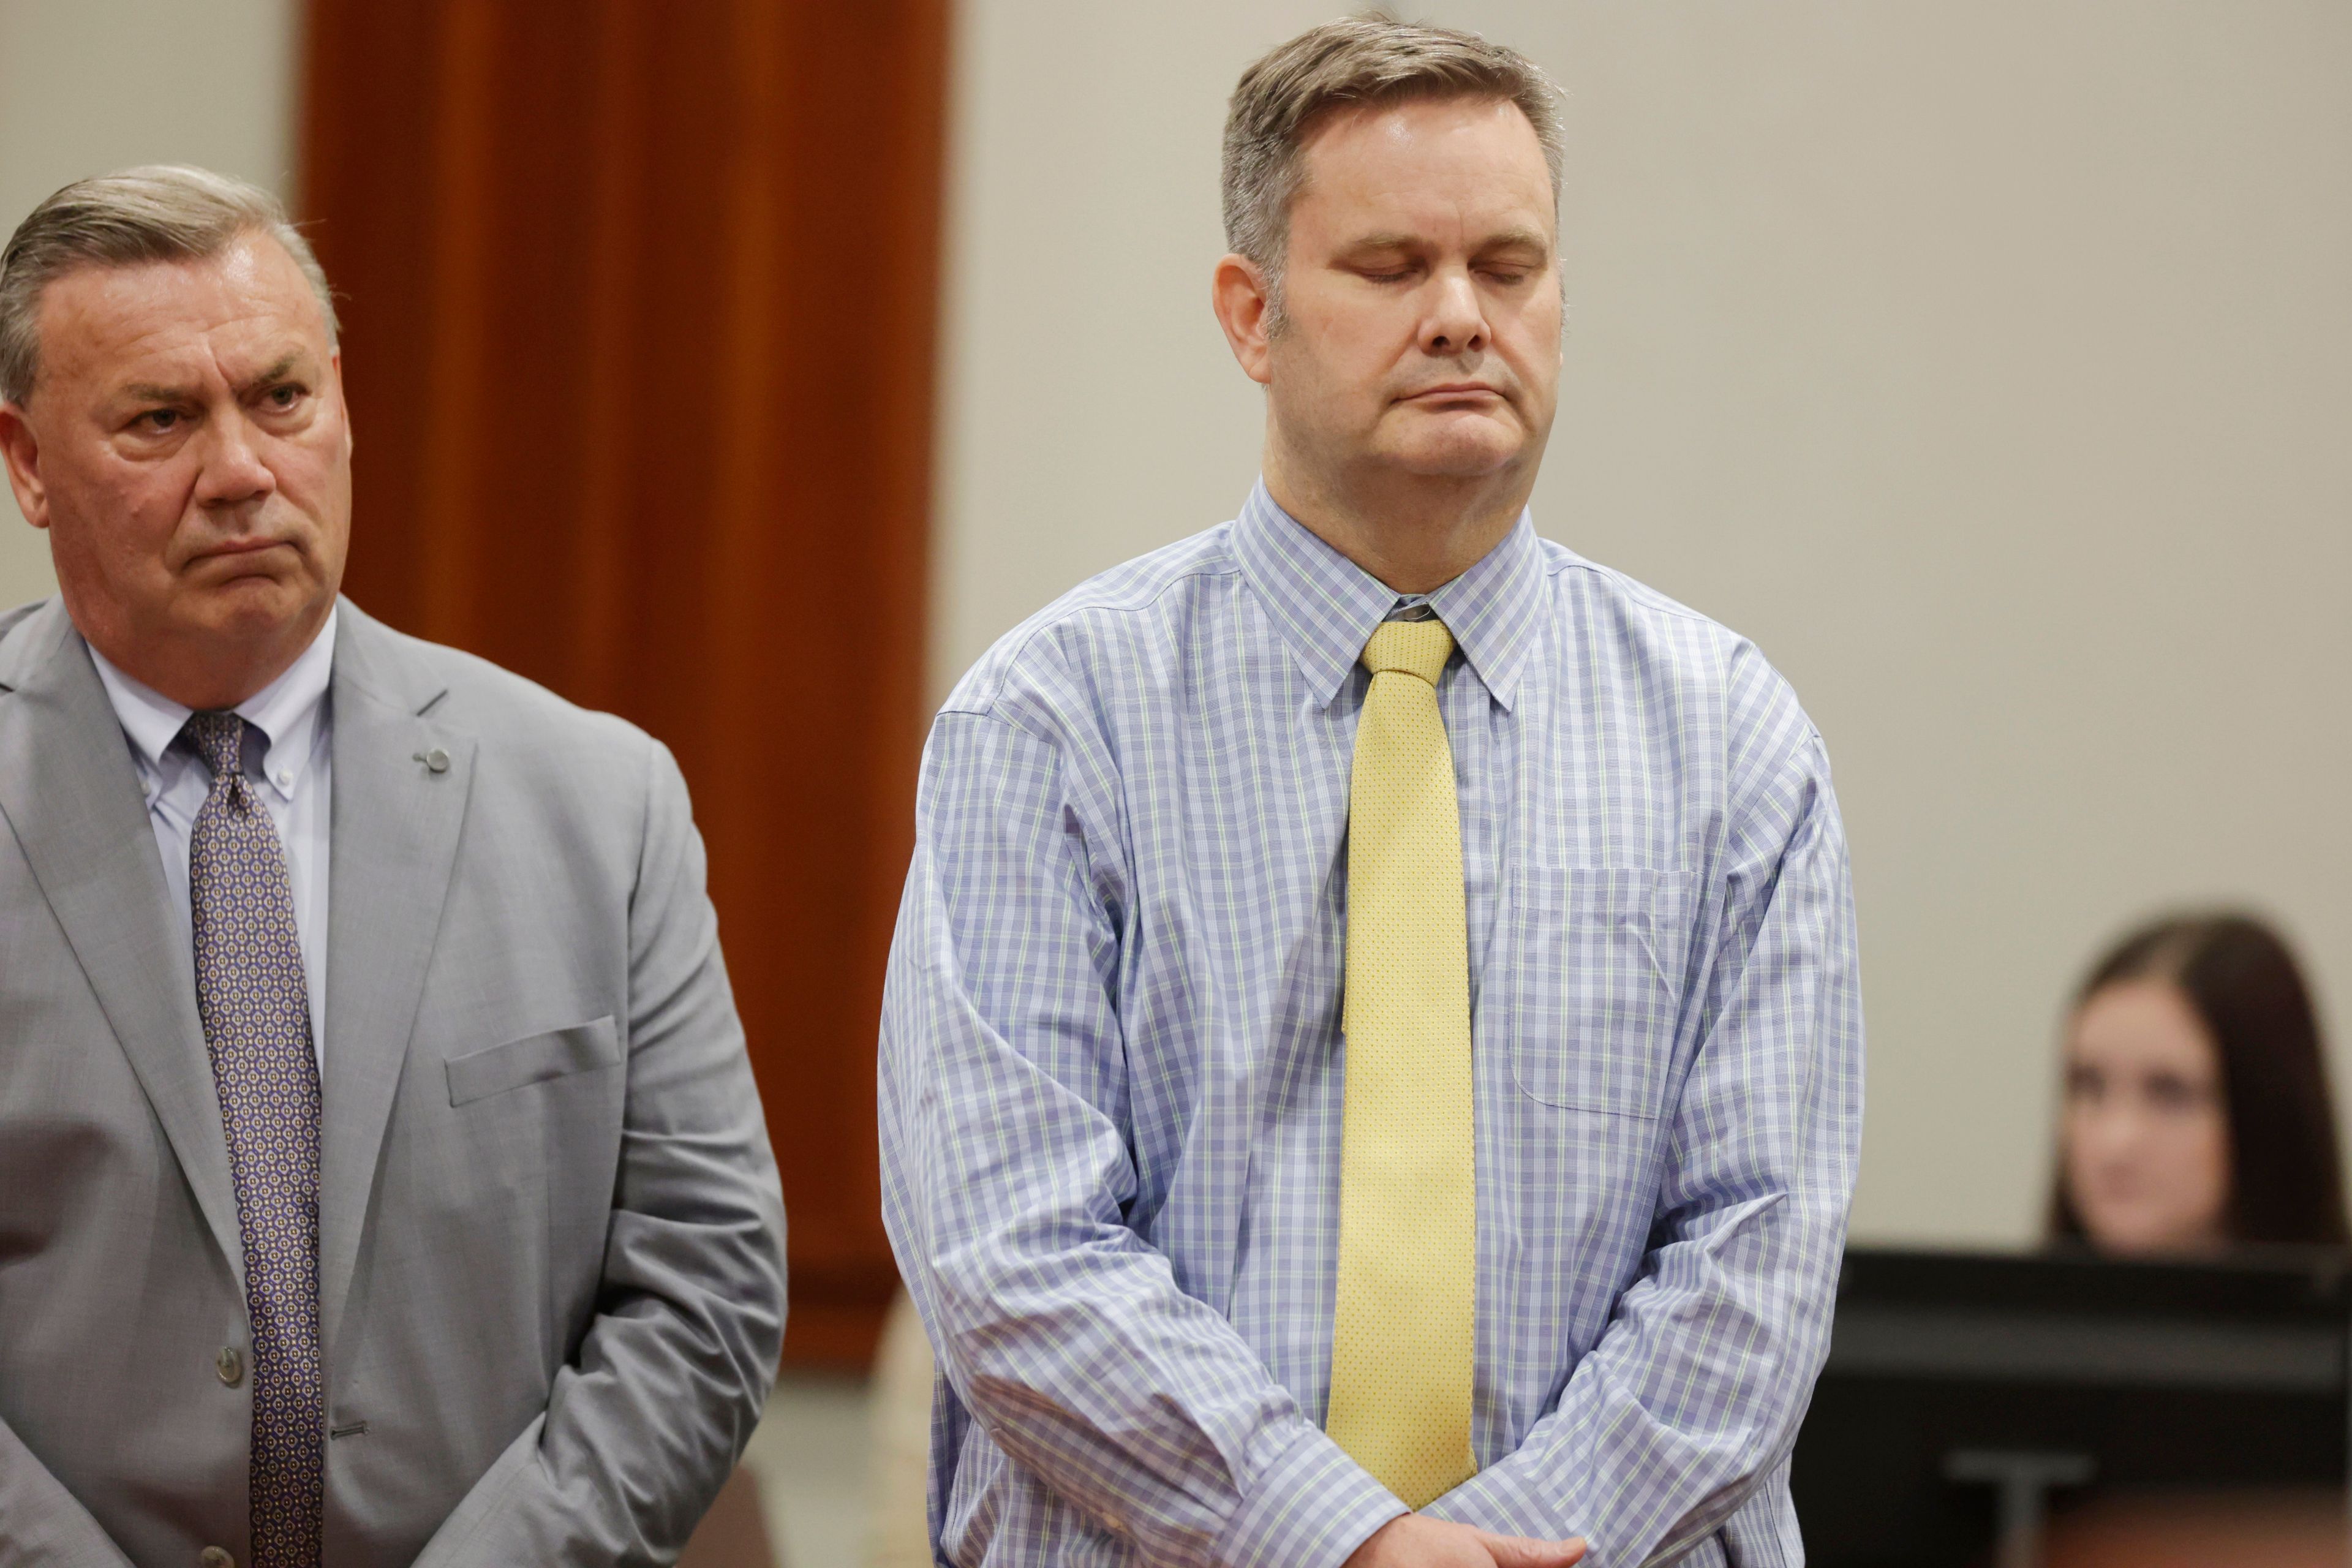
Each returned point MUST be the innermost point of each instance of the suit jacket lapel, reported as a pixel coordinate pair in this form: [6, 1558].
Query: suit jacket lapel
[393, 843]
[69, 790]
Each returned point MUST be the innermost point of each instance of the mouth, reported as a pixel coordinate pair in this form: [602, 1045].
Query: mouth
[1453, 391]
[243, 547]
[237, 558]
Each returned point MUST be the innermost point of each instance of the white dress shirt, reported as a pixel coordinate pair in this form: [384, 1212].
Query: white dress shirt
[289, 759]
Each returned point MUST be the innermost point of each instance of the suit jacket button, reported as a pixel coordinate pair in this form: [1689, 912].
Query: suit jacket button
[215, 1557]
[230, 1364]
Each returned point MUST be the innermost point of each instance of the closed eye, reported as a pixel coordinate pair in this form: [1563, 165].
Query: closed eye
[2172, 1092]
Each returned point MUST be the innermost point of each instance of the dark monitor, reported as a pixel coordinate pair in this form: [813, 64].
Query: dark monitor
[1969, 1397]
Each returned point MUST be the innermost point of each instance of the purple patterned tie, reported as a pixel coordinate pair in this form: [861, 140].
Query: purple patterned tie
[256, 1016]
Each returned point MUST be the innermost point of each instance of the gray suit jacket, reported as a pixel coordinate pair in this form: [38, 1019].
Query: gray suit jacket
[551, 1258]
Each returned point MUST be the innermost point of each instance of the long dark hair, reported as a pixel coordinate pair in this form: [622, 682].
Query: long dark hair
[2286, 1178]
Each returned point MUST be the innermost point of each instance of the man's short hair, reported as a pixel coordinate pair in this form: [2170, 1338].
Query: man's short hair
[1363, 61]
[159, 212]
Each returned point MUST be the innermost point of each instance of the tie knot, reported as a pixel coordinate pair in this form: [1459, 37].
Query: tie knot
[219, 739]
[1418, 648]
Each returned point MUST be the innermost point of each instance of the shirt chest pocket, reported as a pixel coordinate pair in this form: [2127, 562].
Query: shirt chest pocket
[1596, 985]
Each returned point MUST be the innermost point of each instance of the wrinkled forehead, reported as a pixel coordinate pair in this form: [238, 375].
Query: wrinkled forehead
[229, 314]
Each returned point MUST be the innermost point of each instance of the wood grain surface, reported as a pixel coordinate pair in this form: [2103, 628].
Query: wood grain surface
[639, 309]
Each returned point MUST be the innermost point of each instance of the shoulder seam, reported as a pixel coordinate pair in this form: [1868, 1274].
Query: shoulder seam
[990, 716]
[1012, 655]
[1639, 592]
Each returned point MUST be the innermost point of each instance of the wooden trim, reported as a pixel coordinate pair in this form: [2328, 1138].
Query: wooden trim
[640, 313]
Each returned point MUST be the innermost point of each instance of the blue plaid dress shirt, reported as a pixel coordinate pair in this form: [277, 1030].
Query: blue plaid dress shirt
[1111, 1063]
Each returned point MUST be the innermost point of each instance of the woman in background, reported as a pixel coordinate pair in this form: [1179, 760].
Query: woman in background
[2196, 1112]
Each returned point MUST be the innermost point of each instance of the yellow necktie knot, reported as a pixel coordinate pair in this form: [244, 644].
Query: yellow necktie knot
[1418, 648]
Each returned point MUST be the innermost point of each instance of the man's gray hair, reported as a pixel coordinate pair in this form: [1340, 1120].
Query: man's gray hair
[1363, 61]
[159, 212]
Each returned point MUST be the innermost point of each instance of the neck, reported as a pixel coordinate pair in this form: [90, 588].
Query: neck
[1415, 533]
[209, 674]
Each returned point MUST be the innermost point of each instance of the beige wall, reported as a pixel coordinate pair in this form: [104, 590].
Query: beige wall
[1990, 364]
[87, 87]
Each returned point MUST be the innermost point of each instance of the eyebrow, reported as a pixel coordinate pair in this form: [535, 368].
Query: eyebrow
[149, 392]
[1402, 241]
[1510, 237]
[278, 372]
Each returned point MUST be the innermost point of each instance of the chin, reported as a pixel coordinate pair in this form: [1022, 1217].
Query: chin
[1465, 446]
[1457, 459]
[251, 607]
[2141, 1236]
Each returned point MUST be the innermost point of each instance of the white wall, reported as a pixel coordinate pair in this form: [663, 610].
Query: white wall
[1990, 364]
[86, 88]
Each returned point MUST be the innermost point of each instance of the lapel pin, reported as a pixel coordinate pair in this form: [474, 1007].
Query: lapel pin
[435, 761]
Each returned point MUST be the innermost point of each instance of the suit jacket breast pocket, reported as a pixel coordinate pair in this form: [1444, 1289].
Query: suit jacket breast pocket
[1596, 985]
[534, 1058]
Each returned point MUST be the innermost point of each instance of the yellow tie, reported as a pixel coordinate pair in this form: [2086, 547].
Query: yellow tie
[1402, 1337]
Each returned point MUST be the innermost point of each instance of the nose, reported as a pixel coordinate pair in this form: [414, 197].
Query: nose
[234, 474]
[1456, 323]
[2115, 1131]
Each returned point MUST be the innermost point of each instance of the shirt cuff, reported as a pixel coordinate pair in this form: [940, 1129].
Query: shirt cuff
[1311, 1507]
[1499, 1499]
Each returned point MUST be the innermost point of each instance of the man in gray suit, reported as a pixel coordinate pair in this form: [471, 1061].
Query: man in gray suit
[381, 1177]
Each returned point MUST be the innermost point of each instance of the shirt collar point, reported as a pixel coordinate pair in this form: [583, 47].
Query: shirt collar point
[285, 710]
[1322, 600]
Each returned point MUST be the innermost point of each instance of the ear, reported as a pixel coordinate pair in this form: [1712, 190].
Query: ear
[1238, 294]
[22, 451]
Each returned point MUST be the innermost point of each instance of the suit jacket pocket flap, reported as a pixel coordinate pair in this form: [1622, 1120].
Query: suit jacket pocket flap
[534, 1058]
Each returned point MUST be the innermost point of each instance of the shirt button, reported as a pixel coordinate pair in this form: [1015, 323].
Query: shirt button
[230, 1364]
[215, 1557]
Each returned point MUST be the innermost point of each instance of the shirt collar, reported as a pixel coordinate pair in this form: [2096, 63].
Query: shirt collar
[1326, 607]
[285, 710]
